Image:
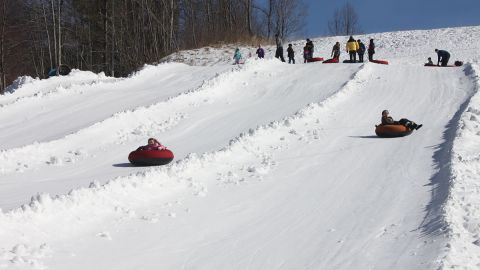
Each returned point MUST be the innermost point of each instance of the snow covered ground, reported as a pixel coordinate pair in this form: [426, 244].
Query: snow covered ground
[276, 166]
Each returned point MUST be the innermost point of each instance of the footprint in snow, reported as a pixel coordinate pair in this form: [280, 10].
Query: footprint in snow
[105, 235]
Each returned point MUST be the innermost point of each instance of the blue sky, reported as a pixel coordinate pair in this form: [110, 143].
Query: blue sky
[391, 15]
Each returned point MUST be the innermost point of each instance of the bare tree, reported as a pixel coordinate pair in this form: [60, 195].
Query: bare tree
[3, 25]
[289, 17]
[344, 21]
[283, 17]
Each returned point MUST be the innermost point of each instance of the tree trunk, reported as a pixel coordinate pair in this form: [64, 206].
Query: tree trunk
[113, 40]
[54, 34]
[48, 36]
[2, 47]
[105, 34]
[248, 7]
[59, 35]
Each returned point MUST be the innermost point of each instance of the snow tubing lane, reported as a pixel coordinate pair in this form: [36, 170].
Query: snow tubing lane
[331, 61]
[150, 157]
[315, 59]
[392, 131]
[384, 62]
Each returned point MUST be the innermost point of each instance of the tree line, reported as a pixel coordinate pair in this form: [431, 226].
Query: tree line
[119, 36]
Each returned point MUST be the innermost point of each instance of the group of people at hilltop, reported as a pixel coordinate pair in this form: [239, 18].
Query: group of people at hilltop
[353, 48]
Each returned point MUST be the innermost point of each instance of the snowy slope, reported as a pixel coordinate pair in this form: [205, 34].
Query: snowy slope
[277, 166]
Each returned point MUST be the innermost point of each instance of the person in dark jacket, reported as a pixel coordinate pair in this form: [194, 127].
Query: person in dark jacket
[361, 50]
[371, 50]
[443, 57]
[290, 54]
[260, 52]
[336, 51]
[310, 48]
[279, 51]
[388, 120]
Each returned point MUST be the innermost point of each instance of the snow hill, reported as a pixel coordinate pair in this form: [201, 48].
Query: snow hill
[276, 166]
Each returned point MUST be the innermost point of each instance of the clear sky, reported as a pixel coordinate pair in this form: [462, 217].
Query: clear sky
[391, 15]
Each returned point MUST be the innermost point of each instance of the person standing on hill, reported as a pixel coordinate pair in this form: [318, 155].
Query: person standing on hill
[310, 48]
[336, 51]
[352, 47]
[290, 54]
[305, 54]
[371, 50]
[361, 50]
[443, 57]
[260, 52]
[279, 51]
[237, 56]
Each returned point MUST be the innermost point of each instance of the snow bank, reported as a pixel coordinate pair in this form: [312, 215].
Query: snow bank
[462, 210]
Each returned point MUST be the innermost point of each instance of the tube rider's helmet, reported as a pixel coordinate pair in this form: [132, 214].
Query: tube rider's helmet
[385, 112]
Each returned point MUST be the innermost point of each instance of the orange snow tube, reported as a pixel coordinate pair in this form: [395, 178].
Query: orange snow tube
[392, 131]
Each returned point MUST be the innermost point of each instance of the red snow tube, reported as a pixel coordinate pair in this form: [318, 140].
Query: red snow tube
[392, 131]
[384, 62]
[427, 65]
[331, 61]
[150, 157]
[315, 59]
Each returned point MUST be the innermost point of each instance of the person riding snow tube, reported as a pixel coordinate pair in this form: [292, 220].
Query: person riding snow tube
[154, 153]
[390, 128]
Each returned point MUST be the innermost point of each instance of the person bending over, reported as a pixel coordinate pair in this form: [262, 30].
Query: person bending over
[443, 57]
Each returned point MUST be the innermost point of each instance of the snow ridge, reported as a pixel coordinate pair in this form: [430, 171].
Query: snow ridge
[462, 210]
[26, 88]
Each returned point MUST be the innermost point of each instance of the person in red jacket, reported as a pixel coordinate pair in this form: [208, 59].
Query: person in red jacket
[153, 144]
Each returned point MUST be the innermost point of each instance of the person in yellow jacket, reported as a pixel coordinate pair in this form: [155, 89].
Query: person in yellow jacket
[352, 47]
